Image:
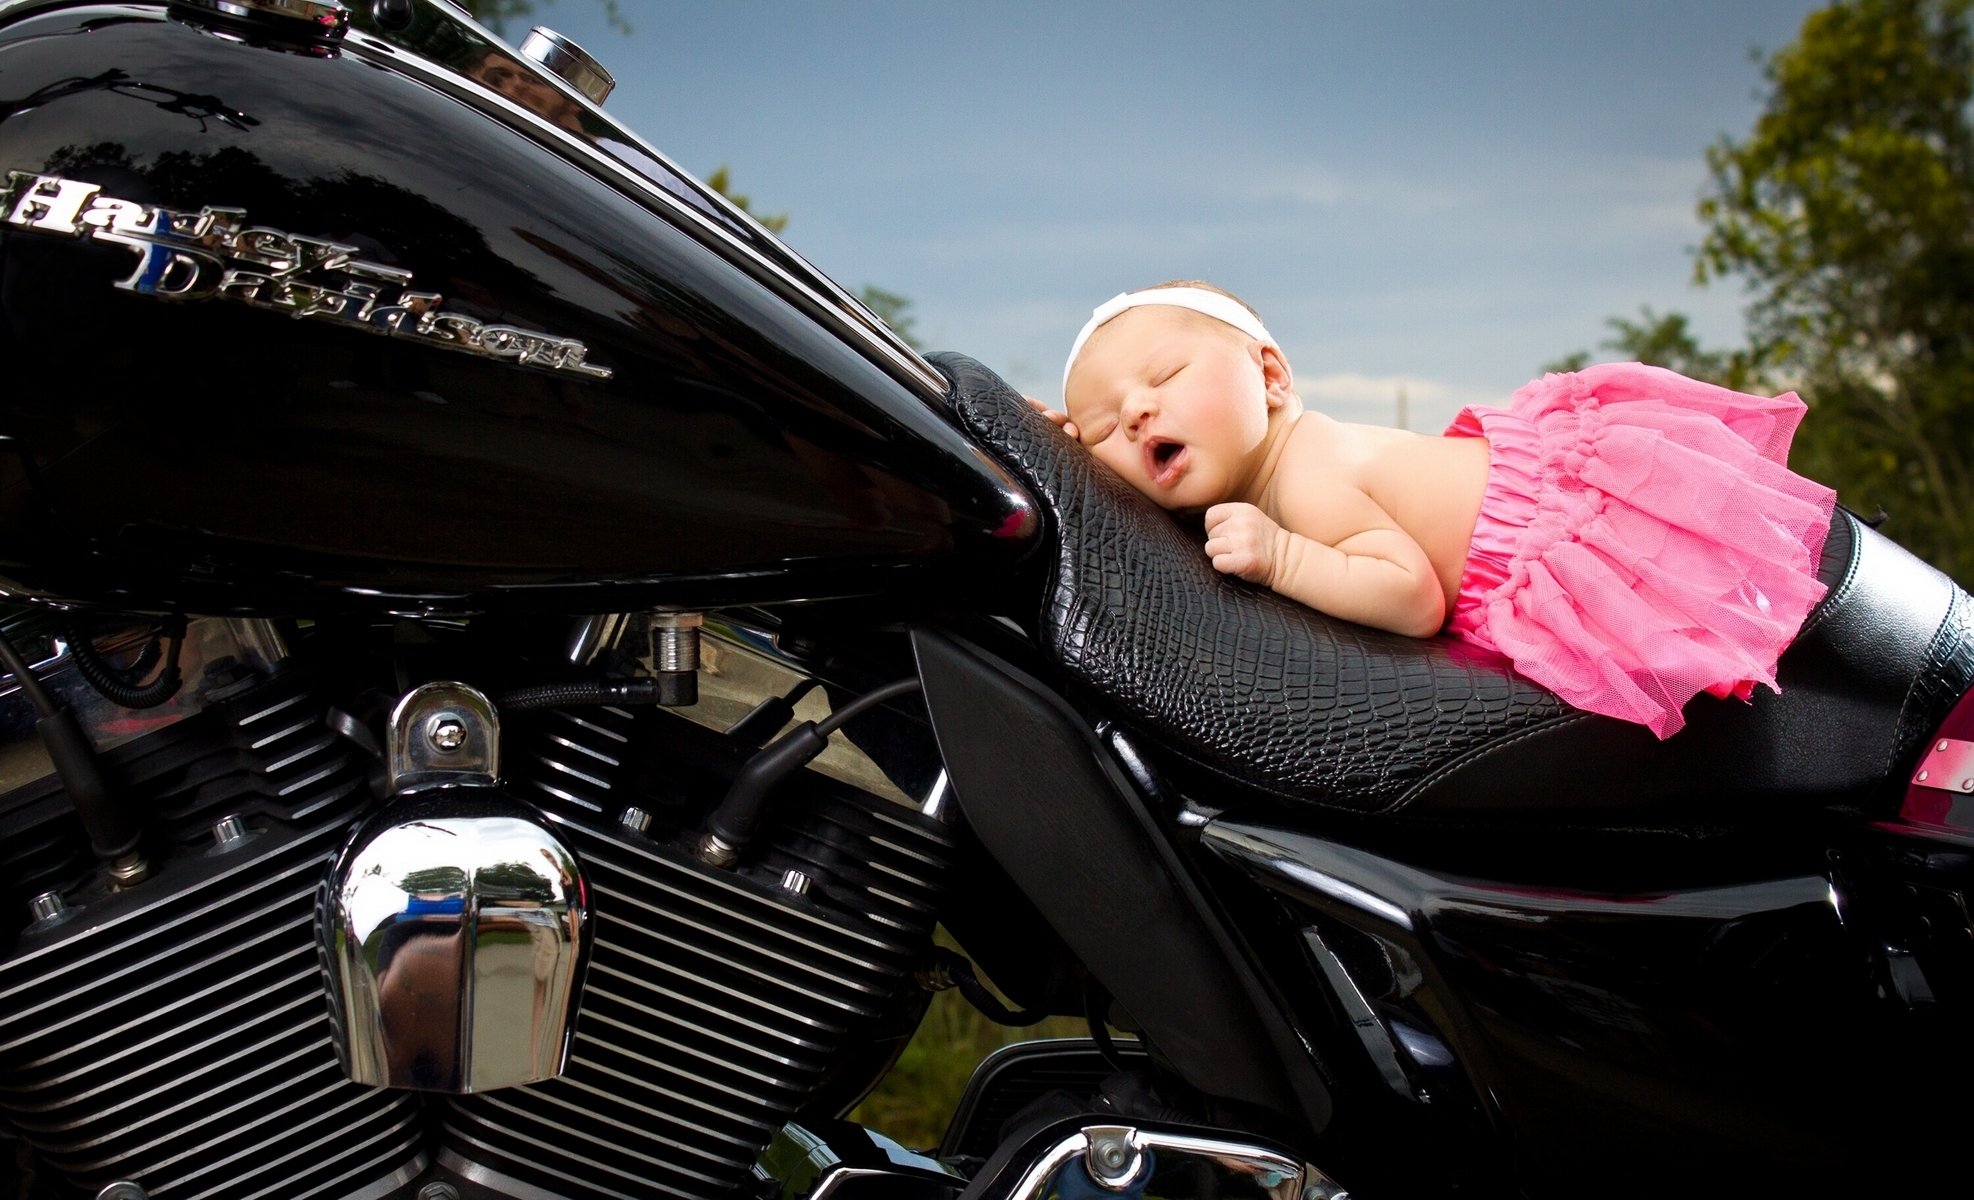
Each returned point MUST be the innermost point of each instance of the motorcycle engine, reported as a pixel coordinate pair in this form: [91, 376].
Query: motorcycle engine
[170, 1034]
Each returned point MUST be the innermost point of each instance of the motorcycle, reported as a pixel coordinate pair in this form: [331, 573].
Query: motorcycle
[512, 665]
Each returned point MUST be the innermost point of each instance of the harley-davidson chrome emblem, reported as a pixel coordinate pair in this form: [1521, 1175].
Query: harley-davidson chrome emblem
[213, 254]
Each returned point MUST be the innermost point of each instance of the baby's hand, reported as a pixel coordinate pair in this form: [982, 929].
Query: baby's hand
[1240, 539]
[1057, 415]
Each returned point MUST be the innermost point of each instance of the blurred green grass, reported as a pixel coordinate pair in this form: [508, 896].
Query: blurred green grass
[915, 1101]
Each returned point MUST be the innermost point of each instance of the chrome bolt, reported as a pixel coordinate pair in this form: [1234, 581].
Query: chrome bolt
[129, 870]
[635, 819]
[1967, 785]
[1942, 745]
[1922, 777]
[795, 883]
[229, 831]
[714, 851]
[675, 641]
[122, 1189]
[438, 1191]
[447, 733]
[48, 906]
[1112, 1160]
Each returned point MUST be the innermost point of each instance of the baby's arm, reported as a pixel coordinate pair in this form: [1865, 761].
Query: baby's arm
[1378, 577]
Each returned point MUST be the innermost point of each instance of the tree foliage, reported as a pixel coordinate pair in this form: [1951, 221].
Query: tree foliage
[889, 307]
[1667, 340]
[495, 14]
[1848, 211]
[721, 181]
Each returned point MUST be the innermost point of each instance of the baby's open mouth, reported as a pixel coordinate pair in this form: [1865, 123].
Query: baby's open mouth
[1165, 461]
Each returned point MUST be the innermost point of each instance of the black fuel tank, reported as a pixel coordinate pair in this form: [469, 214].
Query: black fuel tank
[291, 323]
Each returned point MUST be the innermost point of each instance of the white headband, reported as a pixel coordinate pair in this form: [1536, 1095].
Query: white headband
[1212, 304]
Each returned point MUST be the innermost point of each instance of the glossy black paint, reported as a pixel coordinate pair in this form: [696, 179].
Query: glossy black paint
[1731, 1033]
[214, 457]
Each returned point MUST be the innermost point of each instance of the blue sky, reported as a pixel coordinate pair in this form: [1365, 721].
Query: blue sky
[1438, 197]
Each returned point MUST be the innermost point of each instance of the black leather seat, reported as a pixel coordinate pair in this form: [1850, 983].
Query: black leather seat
[1275, 698]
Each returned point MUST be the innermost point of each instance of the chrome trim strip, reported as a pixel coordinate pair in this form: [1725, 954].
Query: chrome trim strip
[261, 1017]
[753, 900]
[742, 1137]
[206, 1168]
[1275, 1175]
[905, 364]
[1035, 1180]
[101, 986]
[173, 1134]
[646, 1086]
[390, 1183]
[270, 710]
[730, 1063]
[599, 730]
[839, 1174]
[336, 1132]
[507, 1151]
[739, 941]
[593, 1114]
[224, 883]
[586, 751]
[263, 742]
[729, 940]
[732, 1014]
[566, 769]
[559, 794]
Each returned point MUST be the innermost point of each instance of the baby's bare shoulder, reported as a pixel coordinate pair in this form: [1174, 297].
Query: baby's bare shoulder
[1345, 455]
[1319, 486]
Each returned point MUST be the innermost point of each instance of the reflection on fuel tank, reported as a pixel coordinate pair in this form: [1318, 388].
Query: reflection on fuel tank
[514, 80]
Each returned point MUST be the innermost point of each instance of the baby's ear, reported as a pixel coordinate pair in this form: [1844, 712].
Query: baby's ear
[1276, 377]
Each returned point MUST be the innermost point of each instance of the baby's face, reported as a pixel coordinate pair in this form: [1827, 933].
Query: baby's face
[1175, 402]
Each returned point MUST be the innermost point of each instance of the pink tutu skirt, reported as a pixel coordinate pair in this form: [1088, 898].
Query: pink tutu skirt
[1640, 540]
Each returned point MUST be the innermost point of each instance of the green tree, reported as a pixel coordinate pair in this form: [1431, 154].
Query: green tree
[721, 181]
[495, 14]
[1667, 340]
[892, 309]
[1849, 213]
[889, 307]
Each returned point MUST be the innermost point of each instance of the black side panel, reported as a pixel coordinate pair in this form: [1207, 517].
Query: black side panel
[1039, 794]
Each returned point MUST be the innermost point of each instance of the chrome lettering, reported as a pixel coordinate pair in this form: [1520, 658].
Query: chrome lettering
[48, 203]
[167, 273]
[121, 215]
[214, 254]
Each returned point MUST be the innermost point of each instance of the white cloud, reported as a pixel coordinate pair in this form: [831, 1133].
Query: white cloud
[1375, 399]
[1318, 186]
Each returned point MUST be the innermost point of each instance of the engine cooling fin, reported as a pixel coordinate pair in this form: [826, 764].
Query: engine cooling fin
[177, 1034]
[716, 1002]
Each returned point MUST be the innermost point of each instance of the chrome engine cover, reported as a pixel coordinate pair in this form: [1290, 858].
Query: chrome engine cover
[178, 1036]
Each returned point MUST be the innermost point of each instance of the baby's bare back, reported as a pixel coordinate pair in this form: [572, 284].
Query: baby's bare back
[1369, 476]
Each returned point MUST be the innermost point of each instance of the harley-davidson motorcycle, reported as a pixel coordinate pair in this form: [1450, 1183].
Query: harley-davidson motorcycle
[509, 667]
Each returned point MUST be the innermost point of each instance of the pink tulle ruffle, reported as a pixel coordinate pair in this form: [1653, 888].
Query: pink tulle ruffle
[1641, 539]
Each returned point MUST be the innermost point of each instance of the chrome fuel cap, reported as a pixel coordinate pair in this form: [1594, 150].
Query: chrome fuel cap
[568, 62]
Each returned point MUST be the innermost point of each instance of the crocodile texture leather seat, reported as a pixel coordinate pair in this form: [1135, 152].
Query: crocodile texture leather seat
[1274, 697]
